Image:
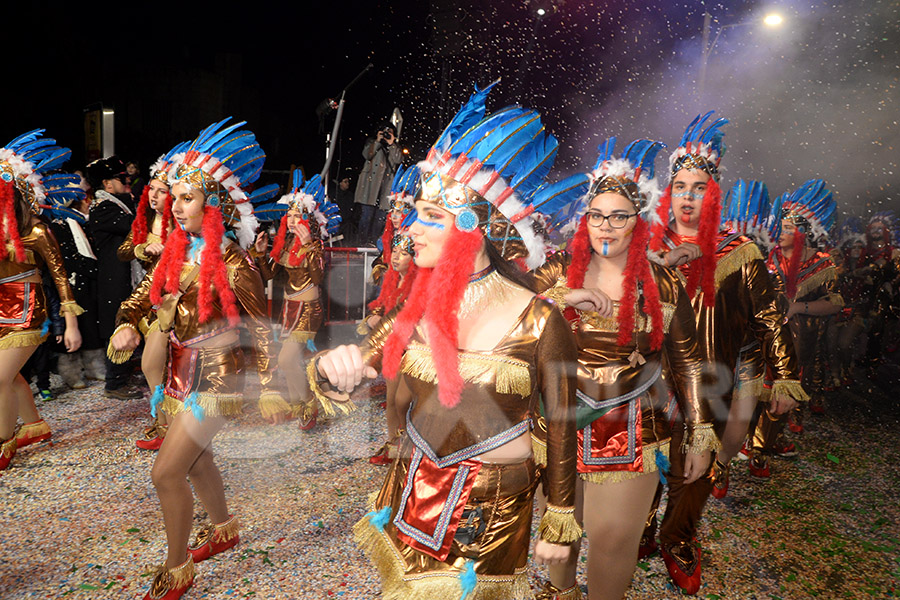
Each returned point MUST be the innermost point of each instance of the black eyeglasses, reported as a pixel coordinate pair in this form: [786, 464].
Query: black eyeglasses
[615, 220]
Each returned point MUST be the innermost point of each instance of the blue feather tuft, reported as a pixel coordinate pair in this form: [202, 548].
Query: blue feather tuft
[311, 345]
[156, 399]
[192, 404]
[468, 579]
[45, 327]
[663, 465]
[380, 518]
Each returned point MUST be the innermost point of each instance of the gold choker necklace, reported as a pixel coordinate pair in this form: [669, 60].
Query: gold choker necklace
[490, 290]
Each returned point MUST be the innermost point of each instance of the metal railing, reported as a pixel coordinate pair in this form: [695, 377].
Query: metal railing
[347, 286]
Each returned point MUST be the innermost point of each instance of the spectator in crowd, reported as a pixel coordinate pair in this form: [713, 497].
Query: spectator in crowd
[133, 179]
[373, 189]
[343, 197]
[108, 224]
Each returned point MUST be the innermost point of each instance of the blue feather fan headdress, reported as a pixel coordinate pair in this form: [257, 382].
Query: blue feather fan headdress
[27, 159]
[811, 208]
[746, 209]
[160, 169]
[309, 198]
[485, 170]
[850, 231]
[700, 148]
[404, 189]
[632, 174]
[221, 163]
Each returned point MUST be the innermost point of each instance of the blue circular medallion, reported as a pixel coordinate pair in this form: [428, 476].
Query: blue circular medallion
[6, 176]
[212, 200]
[467, 220]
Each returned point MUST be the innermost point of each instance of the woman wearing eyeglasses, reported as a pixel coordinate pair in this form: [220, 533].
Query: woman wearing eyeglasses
[635, 331]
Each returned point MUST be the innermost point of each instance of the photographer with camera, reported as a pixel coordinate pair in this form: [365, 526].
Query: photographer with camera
[382, 155]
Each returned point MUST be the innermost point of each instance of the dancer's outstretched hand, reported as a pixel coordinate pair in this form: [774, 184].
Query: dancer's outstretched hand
[546, 553]
[344, 367]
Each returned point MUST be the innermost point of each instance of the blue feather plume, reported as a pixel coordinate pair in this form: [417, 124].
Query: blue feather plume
[469, 114]
[663, 465]
[468, 579]
[380, 518]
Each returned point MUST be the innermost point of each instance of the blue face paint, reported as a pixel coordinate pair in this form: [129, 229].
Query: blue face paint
[439, 226]
[605, 250]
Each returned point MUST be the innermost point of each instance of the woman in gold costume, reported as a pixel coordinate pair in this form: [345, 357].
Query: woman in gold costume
[206, 287]
[478, 349]
[27, 246]
[635, 331]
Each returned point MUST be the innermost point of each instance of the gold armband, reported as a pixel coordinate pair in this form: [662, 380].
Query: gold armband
[558, 525]
[700, 437]
[120, 356]
[331, 400]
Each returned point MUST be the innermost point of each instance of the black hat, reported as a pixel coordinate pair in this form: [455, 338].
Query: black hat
[105, 168]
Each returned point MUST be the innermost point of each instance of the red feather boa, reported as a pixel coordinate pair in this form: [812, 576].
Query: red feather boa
[387, 240]
[704, 273]
[11, 224]
[662, 214]
[406, 283]
[167, 275]
[637, 268]
[214, 271]
[167, 217]
[278, 244]
[139, 225]
[442, 289]
[580, 251]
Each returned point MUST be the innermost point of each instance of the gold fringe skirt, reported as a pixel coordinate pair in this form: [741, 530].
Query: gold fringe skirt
[505, 494]
[211, 378]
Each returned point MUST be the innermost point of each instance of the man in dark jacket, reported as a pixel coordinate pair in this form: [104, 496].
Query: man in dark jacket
[373, 189]
[108, 225]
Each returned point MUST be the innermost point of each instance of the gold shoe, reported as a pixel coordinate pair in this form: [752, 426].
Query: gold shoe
[171, 584]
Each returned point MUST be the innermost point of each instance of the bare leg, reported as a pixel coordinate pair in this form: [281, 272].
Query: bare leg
[186, 441]
[614, 525]
[25, 399]
[11, 362]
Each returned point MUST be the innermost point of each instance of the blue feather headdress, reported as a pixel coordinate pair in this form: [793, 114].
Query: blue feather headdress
[160, 169]
[746, 209]
[26, 160]
[404, 189]
[700, 148]
[811, 208]
[402, 239]
[850, 231]
[486, 174]
[309, 198]
[890, 220]
[221, 163]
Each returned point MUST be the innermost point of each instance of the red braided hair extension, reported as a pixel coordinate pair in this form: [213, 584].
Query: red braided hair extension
[662, 214]
[139, 225]
[167, 274]
[704, 273]
[213, 270]
[446, 289]
[278, 242]
[387, 240]
[405, 324]
[166, 217]
[11, 224]
[580, 251]
[793, 270]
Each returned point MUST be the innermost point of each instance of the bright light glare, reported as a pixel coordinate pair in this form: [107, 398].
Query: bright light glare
[773, 20]
[541, 12]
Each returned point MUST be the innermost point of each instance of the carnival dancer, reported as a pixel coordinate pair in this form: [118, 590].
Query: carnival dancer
[808, 280]
[731, 294]
[849, 325]
[298, 251]
[635, 330]
[145, 243]
[478, 349]
[745, 210]
[205, 286]
[395, 290]
[403, 191]
[28, 247]
[882, 260]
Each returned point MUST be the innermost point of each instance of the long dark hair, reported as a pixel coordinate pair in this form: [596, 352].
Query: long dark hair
[508, 269]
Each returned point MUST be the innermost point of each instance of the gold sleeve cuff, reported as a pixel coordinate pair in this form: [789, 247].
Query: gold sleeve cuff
[140, 254]
[558, 525]
[272, 404]
[790, 388]
[362, 328]
[119, 356]
[70, 308]
[700, 438]
[558, 294]
[331, 401]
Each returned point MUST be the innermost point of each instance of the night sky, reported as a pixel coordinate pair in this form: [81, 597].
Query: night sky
[816, 97]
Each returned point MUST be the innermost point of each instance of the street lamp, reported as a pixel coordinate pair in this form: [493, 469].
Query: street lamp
[770, 20]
